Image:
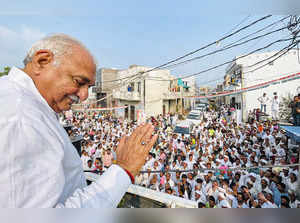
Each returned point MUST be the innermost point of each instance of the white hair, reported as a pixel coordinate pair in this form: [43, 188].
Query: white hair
[58, 44]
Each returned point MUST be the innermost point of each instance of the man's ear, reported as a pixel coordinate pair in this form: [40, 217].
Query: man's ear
[41, 60]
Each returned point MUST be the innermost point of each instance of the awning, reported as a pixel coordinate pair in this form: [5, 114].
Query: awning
[293, 132]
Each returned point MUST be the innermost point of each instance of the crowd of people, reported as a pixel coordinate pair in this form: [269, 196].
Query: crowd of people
[219, 164]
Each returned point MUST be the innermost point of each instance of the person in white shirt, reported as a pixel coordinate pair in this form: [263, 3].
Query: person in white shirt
[264, 202]
[84, 158]
[292, 182]
[139, 179]
[40, 166]
[169, 180]
[275, 108]
[263, 102]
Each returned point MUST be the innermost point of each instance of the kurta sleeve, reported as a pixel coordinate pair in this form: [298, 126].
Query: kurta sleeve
[106, 192]
[33, 173]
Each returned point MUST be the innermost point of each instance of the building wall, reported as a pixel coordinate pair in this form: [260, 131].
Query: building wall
[106, 75]
[154, 92]
[154, 89]
[173, 106]
[282, 91]
[121, 112]
[151, 95]
[287, 64]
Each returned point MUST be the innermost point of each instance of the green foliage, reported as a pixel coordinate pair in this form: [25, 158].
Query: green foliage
[5, 72]
[284, 109]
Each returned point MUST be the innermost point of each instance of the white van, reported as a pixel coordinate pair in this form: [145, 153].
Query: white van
[194, 118]
[185, 127]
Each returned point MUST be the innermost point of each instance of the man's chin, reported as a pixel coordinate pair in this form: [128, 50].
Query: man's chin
[61, 108]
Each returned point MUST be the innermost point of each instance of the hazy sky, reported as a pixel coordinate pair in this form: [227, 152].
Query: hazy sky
[121, 33]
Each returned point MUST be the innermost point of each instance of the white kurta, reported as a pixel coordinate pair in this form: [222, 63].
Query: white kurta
[39, 166]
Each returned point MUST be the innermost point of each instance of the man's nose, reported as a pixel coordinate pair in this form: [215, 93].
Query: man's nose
[83, 93]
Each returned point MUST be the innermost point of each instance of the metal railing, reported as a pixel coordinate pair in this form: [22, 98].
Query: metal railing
[144, 197]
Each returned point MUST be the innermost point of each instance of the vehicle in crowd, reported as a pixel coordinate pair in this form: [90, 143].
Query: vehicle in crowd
[201, 106]
[197, 112]
[185, 127]
[195, 118]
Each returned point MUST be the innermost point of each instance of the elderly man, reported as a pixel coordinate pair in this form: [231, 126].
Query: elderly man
[39, 165]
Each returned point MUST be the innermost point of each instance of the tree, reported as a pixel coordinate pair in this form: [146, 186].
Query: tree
[5, 72]
[284, 109]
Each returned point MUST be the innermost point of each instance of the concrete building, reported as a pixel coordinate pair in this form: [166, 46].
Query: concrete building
[220, 100]
[107, 81]
[242, 74]
[152, 93]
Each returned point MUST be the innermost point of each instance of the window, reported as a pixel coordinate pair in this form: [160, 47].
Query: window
[130, 87]
[139, 87]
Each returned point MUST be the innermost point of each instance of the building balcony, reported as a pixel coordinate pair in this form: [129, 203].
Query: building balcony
[127, 95]
[170, 95]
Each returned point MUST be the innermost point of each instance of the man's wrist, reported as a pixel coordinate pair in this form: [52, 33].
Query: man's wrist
[130, 176]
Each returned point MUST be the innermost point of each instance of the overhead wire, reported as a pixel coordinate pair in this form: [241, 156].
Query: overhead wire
[197, 50]
[229, 46]
[230, 61]
[213, 43]
[140, 74]
[231, 30]
[280, 53]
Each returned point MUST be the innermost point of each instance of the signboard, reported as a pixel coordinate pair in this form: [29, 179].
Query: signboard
[141, 117]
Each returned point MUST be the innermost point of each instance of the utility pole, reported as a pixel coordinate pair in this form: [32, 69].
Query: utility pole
[181, 92]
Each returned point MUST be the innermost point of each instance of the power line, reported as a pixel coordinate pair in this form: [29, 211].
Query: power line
[290, 46]
[202, 48]
[229, 46]
[286, 49]
[193, 52]
[213, 43]
[281, 52]
[230, 61]
[262, 29]
[231, 30]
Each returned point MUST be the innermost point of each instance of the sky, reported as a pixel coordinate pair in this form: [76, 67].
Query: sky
[149, 33]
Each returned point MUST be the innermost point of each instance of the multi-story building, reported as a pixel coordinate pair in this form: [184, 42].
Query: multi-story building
[151, 93]
[220, 100]
[247, 71]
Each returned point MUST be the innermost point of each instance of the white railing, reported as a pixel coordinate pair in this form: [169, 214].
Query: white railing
[175, 95]
[127, 95]
[169, 200]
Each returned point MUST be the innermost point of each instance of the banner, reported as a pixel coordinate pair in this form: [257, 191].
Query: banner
[141, 117]
[102, 109]
[251, 88]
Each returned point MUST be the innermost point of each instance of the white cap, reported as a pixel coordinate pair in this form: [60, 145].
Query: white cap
[224, 204]
[222, 195]
[198, 192]
[252, 175]
[264, 161]
[266, 179]
[249, 182]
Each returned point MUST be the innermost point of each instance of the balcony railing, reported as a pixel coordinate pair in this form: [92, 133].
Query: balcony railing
[127, 95]
[175, 95]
